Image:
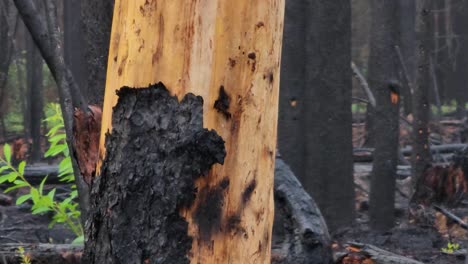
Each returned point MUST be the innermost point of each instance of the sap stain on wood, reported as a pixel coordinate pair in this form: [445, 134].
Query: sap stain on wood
[232, 62]
[157, 149]
[252, 56]
[159, 48]
[222, 103]
[259, 25]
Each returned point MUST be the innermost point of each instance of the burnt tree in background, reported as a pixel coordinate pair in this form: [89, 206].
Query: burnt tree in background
[34, 98]
[407, 45]
[73, 41]
[459, 79]
[315, 104]
[96, 17]
[421, 156]
[383, 71]
[6, 54]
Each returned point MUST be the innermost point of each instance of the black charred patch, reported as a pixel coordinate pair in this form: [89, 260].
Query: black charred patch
[233, 222]
[156, 150]
[222, 103]
[248, 191]
[234, 225]
[207, 215]
[270, 77]
[224, 184]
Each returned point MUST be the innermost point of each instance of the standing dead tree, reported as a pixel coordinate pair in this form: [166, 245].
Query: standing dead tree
[383, 71]
[226, 52]
[421, 156]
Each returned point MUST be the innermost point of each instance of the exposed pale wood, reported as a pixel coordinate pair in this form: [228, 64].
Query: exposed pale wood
[199, 46]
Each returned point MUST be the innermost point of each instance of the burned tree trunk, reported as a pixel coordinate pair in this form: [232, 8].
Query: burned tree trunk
[73, 41]
[316, 104]
[6, 54]
[460, 58]
[96, 22]
[382, 75]
[421, 156]
[34, 99]
[407, 43]
[228, 53]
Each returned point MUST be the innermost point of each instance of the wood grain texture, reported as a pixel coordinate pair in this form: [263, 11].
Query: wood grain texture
[203, 47]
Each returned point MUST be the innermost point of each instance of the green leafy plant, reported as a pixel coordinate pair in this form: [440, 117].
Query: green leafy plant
[451, 247]
[25, 259]
[65, 211]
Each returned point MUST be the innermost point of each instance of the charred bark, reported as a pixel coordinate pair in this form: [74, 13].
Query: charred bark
[407, 11]
[96, 22]
[73, 41]
[316, 119]
[383, 71]
[157, 149]
[6, 53]
[460, 63]
[35, 100]
[421, 156]
[292, 83]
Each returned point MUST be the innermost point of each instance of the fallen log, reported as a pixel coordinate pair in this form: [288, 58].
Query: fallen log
[36, 173]
[366, 153]
[377, 255]
[41, 253]
[403, 171]
[300, 234]
[446, 148]
[452, 216]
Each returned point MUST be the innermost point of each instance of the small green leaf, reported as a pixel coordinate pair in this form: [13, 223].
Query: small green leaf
[53, 130]
[35, 195]
[40, 210]
[4, 178]
[12, 188]
[41, 186]
[51, 194]
[78, 241]
[55, 150]
[12, 176]
[20, 183]
[57, 138]
[23, 199]
[7, 152]
[4, 168]
[21, 167]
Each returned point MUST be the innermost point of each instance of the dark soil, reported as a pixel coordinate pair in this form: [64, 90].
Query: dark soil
[18, 225]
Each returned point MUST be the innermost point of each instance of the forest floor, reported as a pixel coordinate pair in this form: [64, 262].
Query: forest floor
[421, 238]
[425, 234]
